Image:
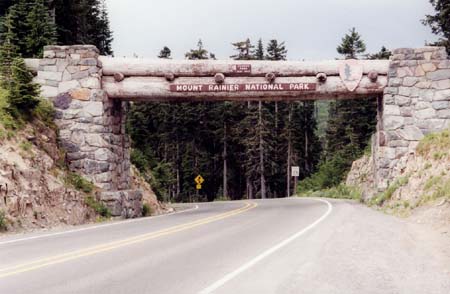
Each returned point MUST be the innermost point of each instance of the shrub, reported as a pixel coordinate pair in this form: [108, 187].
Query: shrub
[45, 113]
[23, 93]
[146, 210]
[99, 207]
[3, 226]
[435, 141]
[338, 192]
[79, 183]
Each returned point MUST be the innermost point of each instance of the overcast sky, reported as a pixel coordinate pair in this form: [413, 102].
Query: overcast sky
[311, 28]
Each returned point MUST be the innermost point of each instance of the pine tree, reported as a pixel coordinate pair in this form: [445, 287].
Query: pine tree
[23, 93]
[244, 50]
[276, 51]
[259, 52]
[165, 53]
[351, 45]
[83, 22]
[440, 22]
[41, 30]
[104, 36]
[383, 54]
[199, 53]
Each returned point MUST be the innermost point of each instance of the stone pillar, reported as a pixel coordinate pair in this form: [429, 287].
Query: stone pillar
[416, 102]
[91, 126]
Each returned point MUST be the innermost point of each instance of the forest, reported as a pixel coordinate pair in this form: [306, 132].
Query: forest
[242, 150]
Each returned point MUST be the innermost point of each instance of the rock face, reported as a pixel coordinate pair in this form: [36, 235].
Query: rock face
[416, 102]
[33, 193]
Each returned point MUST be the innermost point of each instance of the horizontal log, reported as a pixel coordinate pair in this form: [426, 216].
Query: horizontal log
[204, 68]
[159, 89]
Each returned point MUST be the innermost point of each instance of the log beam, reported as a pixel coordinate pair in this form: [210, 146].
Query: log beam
[159, 89]
[208, 68]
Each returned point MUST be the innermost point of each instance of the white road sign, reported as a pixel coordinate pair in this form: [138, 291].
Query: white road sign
[295, 171]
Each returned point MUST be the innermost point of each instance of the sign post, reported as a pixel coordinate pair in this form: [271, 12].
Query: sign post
[295, 172]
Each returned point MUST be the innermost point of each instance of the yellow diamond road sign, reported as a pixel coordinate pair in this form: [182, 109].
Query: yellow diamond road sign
[199, 180]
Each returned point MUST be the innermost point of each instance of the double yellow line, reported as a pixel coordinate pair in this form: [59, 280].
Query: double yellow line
[37, 264]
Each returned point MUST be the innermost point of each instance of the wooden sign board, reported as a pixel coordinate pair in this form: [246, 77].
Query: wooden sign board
[241, 68]
[276, 87]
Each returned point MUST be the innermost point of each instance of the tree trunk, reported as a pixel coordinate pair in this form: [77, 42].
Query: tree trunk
[225, 169]
[305, 122]
[261, 153]
[289, 154]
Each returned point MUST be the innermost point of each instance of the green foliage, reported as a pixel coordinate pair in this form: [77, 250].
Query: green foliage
[45, 112]
[26, 146]
[79, 183]
[146, 210]
[98, 206]
[84, 22]
[440, 22]
[276, 51]
[28, 28]
[340, 191]
[199, 53]
[6, 119]
[351, 45]
[259, 52]
[432, 182]
[244, 50]
[23, 93]
[381, 198]
[435, 142]
[3, 226]
[165, 53]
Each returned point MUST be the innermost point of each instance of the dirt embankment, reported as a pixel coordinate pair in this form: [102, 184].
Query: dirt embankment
[36, 189]
[421, 193]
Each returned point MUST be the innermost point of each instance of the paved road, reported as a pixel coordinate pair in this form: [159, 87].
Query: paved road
[272, 246]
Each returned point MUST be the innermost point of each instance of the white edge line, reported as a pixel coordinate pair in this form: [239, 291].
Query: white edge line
[97, 226]
[268, 252]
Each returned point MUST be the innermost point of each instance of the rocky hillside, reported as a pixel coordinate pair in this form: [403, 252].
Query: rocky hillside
[37, 191]
[421, 191]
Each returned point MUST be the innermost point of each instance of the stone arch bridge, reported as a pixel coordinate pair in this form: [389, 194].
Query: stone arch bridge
[91, 94]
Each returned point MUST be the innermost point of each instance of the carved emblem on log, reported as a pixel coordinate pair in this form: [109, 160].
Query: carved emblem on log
[351, 73]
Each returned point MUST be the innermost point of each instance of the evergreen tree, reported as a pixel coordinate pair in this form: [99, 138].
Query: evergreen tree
[351, 45]
[383, 54]
[83, 22]
[199, 53]
[244, 50]
[440, 22]
[259, 52]
[23, 93]
[103, 35]
[276, 51]
[27, 26]
[41, 30]
[165, 53]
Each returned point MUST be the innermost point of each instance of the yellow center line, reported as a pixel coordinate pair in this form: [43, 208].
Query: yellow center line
[25, 267]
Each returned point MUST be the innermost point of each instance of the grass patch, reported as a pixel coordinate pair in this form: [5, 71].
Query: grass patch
[432, 182]
[45, 112]
[3, 226]
[437, 141]
[79, 183]
[381, 198]
[339, 192]
[26, 146]
[99, 207]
